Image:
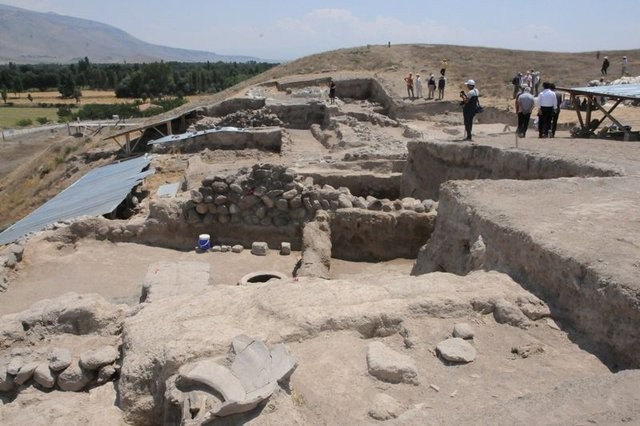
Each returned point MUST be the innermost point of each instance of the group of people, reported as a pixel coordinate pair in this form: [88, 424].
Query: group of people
[432, 86]
[548, 110]
[605, 66]
[531, 79]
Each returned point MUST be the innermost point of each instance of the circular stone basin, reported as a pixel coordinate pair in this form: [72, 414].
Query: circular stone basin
[261, 277]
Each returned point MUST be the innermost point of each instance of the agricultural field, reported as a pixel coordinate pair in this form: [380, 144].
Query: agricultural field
[19, 109]
[10, 117]
[53, 97]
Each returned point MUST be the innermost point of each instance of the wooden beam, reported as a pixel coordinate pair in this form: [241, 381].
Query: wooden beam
[158, 130]
[607, 114]
[576, 107]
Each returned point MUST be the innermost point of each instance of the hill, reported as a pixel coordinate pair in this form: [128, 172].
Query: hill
[34, 37]
[491, 68]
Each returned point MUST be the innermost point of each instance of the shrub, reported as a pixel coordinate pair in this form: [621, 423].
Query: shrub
[23, 122]
[42, 120]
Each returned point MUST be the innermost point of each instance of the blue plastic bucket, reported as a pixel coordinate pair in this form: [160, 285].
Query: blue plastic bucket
[204, 242]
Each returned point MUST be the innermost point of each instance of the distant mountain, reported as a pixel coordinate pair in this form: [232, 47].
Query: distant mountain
[34, 37]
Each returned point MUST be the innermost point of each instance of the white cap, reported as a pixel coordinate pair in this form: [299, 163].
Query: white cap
[470, 83]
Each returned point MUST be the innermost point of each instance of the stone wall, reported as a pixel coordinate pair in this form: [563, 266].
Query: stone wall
[365, 235]
[360, 183]
[266, 139]
[273, 203]
[232, 105]
[429, 164]
[300, 115]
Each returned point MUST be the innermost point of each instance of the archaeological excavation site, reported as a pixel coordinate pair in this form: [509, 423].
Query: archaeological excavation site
[275, 258]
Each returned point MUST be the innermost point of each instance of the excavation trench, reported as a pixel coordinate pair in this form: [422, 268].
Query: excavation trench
[386, 209]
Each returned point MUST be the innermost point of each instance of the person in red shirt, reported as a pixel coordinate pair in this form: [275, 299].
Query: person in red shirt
[409, 80]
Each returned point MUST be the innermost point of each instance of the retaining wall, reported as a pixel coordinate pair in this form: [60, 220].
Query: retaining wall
[429, 164]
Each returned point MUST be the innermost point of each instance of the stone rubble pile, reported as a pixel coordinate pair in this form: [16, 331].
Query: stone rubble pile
[271, 195]
[71, 343]
[250, 118]
[59, 369]
[9, 259]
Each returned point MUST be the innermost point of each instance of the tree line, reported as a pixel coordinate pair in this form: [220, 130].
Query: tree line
[145, 81]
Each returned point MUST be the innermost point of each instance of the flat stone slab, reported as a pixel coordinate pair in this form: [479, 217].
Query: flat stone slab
[456, 349]
[390, 366]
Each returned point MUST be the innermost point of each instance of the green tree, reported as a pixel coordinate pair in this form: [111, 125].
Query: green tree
[67, 86]
[3, 92]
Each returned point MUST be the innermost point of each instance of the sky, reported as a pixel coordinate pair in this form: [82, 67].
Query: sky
[289, 29]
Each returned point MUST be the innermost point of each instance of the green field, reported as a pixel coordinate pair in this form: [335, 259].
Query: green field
[9, 116]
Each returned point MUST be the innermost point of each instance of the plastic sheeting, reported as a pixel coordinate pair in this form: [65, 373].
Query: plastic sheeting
[98, 192]
[622, 91]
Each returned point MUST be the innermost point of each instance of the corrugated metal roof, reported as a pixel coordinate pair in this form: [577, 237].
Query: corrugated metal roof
[98, 192]
[189, 135]
[624, 91]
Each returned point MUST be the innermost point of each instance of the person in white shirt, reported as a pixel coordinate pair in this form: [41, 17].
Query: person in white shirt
[548, 104]
[418, 86]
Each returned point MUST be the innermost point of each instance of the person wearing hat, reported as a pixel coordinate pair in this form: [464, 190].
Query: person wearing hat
[524, 105]
[605, 66]
[469, 106]
[418, 86]
[431, 85]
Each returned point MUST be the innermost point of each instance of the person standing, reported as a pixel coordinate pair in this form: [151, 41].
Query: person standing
[469, 106]
[443, 66]
[431, 85]
[527, 80]
[409, 80]
[332, 92]
[516, 82]
[548, 104]
[624, 66]
[442, 81]
[418, 86]
[556, 113]
[605, 66]
[524, 105]
[536, 82]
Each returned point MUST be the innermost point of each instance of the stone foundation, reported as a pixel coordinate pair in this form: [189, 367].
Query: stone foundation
[431, 163]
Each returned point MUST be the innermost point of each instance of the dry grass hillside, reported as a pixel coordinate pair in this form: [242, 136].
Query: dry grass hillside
[51, 162]
[492, 69]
